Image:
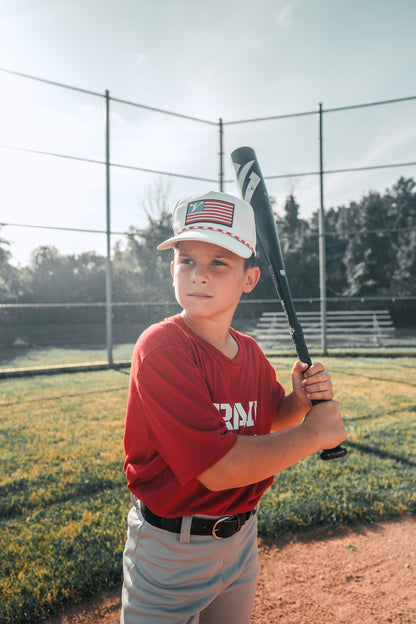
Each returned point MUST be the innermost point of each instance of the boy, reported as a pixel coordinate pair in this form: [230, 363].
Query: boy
[207, 428]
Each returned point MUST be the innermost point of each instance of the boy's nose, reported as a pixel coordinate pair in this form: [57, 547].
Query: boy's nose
[199, 276]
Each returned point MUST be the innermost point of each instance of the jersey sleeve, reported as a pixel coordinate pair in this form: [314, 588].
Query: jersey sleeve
[177, 415]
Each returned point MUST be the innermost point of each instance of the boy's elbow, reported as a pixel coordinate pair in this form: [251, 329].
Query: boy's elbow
[223, 475]
[212, 480]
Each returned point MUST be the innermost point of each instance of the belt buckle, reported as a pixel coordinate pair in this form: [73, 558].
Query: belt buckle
[218, 522]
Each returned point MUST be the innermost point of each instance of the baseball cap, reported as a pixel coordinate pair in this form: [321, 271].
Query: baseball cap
[216, 218]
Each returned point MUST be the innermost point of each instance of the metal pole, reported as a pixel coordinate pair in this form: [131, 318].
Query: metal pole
[221, 156]
[322, 261]
[108, 272]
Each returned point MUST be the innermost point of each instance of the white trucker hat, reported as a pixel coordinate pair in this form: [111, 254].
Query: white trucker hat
[216, 218]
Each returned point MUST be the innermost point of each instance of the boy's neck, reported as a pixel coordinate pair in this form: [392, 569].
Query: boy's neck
[215, 333]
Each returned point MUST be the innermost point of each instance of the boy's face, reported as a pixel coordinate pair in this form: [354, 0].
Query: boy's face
[209, 279]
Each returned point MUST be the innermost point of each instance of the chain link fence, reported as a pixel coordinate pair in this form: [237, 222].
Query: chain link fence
[84, 172]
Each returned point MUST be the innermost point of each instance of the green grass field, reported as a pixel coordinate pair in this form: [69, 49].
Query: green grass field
[63, 498]
[59, 356]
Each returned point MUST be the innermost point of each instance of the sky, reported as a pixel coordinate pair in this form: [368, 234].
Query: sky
[230, 60]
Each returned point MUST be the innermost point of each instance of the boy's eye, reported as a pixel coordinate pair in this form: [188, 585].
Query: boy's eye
[185, 260]
[219, 263]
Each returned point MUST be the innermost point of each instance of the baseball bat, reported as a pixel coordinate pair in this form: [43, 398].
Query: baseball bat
[253, 189]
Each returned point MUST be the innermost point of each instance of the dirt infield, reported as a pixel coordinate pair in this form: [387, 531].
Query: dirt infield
[355, 576]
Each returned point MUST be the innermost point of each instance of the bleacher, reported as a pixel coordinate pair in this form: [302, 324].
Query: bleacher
[353, 328]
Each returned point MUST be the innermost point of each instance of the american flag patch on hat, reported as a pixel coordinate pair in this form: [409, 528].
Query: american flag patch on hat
[210, 210]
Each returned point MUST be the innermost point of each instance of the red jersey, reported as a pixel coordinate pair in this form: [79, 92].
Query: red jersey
[187, 404]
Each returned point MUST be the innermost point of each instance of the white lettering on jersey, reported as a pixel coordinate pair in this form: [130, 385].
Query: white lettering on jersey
[227, 412]
[236, 417]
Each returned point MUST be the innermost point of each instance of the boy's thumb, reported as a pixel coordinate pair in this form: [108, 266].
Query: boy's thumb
[299, 368]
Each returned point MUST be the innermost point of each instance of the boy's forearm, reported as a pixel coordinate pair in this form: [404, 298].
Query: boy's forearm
[254, 458]
[291, 412]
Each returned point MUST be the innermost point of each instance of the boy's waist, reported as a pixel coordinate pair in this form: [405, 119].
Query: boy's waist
[219, 527]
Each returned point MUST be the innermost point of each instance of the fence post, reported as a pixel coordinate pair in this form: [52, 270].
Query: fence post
[322, 261]
[221, 155]
[108, 272]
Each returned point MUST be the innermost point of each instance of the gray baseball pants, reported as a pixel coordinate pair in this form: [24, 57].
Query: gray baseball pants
[187, 579]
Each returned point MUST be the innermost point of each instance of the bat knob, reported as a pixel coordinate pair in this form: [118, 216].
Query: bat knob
[335, 453]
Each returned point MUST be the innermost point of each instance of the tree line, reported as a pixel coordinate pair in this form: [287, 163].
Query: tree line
[370, 251]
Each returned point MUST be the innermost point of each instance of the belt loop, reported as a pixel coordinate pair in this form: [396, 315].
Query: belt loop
[185, 536]
[134, 501]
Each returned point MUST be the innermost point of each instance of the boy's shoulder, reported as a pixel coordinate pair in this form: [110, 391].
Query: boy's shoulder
[172, 336]
[159, 334]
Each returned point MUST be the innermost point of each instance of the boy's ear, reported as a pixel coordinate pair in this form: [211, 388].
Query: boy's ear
[172, 268]
[252, 278]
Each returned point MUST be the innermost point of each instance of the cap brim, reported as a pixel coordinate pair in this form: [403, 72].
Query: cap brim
[212, 237]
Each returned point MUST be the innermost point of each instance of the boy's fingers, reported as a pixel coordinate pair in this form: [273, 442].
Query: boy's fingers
[318, 387]
[319, 378]
[316, 367]
[319, 396]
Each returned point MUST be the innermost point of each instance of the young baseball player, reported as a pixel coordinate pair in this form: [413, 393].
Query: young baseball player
[207, 428]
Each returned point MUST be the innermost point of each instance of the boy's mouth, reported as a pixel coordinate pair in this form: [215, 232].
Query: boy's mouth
[200, 295]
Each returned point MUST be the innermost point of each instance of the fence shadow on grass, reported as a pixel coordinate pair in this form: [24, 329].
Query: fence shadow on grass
[365, 448]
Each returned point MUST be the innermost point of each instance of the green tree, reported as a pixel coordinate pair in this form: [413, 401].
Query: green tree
[371, 244]
[402, 215]
[337, 223]
[141, 272]
[299, 244]
[369, 254]
[9, 275]
[55, 278]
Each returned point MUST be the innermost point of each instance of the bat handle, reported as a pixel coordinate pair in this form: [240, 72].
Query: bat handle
[335, 453]
[303, 355]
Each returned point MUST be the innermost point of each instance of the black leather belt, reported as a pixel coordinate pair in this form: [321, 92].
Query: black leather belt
[220, 528]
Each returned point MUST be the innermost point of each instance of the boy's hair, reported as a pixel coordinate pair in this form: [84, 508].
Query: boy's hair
[250, 262]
